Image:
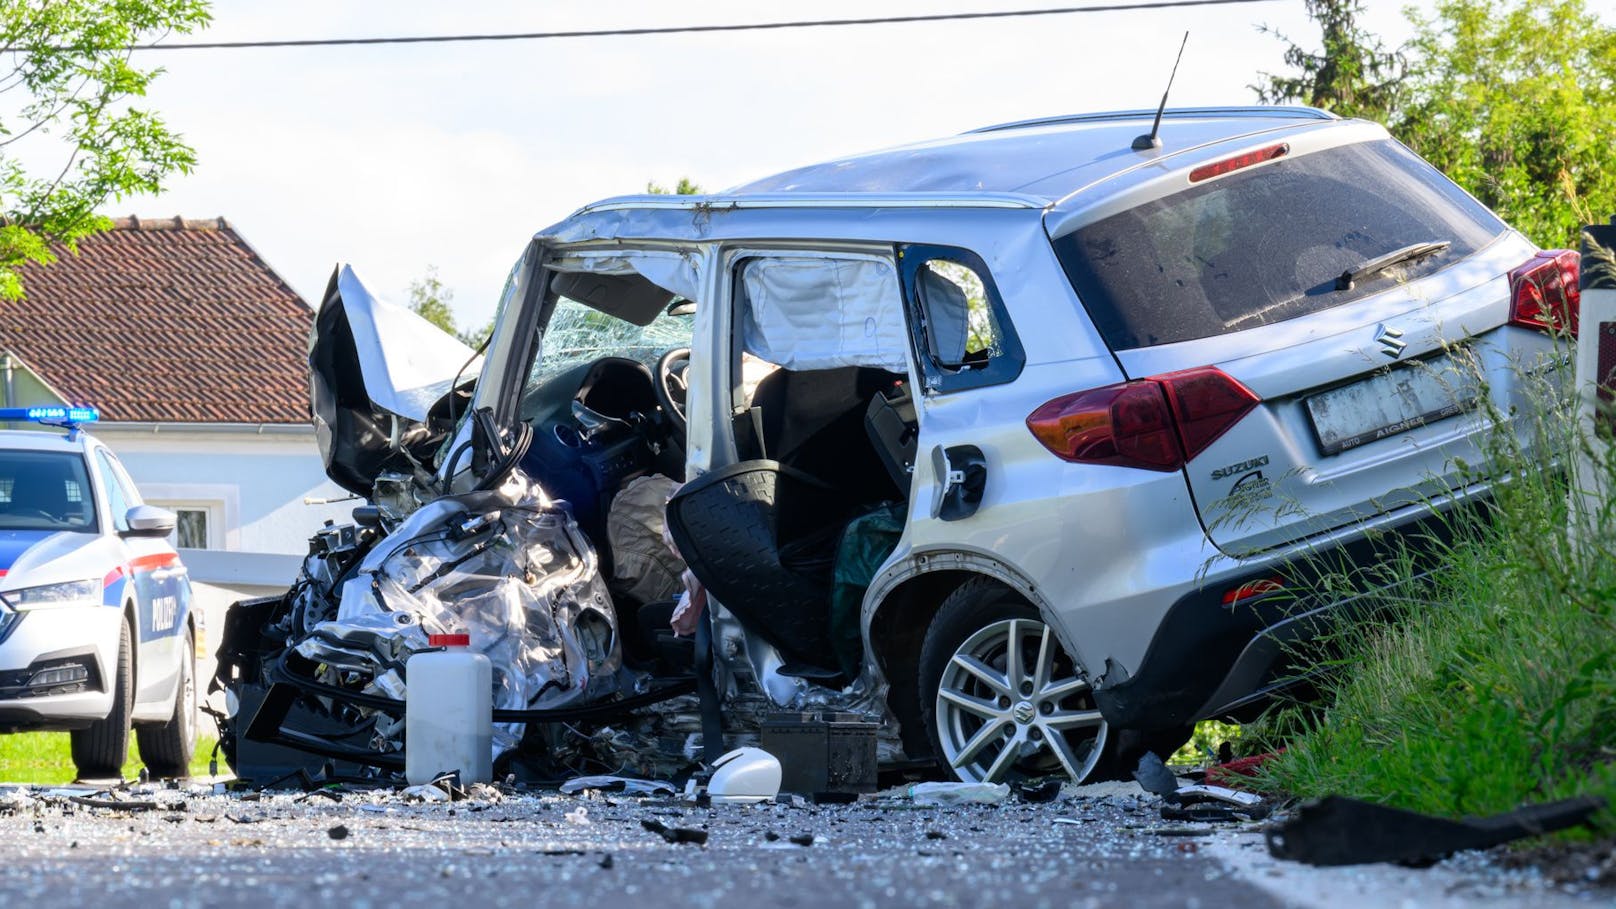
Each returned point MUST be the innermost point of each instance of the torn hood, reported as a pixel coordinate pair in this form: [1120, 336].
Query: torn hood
[376, 372]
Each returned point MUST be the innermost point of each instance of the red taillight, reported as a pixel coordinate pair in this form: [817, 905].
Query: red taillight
[1128, 425]
[1157, 423]
[1253, 589]
[1219, 168]
[1545, 293]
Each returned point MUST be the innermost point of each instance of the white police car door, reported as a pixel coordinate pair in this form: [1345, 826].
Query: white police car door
[156, 579]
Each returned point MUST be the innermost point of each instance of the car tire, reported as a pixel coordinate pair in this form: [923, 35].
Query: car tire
[990, 721]
[99, 751]
[166, 750]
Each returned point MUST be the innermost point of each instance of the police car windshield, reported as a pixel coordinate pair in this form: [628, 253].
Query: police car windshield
[45, 490]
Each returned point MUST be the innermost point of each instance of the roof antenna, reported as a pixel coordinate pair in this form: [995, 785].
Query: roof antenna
[1146, 143]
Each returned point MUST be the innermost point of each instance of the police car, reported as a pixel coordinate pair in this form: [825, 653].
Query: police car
[96, 630]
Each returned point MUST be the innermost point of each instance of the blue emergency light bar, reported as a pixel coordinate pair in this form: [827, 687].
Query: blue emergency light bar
[51, 414]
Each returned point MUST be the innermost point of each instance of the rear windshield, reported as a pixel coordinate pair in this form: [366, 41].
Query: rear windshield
[1267, 244]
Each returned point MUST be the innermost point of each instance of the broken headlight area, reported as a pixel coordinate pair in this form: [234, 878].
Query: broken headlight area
[327, 660]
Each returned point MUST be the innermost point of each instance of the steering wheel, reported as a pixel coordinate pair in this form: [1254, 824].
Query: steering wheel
[671, 387]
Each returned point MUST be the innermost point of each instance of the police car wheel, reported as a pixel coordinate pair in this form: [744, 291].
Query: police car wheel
[167, 749]
[100, 750]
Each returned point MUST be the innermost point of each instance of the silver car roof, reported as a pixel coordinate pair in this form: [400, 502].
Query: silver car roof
[1056, 165]
[1048, 159]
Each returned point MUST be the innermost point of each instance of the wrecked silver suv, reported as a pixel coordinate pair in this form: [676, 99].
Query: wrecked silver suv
[1026, 444]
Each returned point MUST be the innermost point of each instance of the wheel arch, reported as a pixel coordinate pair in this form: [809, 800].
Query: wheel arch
[899, 608]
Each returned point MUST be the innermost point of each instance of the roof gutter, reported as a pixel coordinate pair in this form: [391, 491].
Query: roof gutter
[257, 429]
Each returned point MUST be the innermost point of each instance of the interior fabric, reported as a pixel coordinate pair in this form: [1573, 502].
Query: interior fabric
[648, 273]
[947, 317]
[808, 312]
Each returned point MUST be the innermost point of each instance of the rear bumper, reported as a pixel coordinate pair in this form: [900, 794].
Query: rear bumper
[1209, 659]
[45, 685]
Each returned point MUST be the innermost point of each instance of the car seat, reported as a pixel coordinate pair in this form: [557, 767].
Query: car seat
[813, 421]
[762, 537]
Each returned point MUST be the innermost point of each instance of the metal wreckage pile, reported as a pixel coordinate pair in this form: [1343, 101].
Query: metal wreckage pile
[315, 680]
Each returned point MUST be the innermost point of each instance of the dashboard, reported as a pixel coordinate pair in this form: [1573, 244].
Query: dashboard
[586, 456]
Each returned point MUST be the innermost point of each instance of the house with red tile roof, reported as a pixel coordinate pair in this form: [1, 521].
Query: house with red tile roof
[196, 353]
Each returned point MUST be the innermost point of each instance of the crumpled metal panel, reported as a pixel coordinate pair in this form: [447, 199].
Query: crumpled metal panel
[505, 566]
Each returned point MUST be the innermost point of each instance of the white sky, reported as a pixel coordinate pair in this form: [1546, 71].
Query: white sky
[394, 158]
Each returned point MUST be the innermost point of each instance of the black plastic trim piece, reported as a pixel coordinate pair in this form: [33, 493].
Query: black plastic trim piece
[1207, 658]
[1002, 367]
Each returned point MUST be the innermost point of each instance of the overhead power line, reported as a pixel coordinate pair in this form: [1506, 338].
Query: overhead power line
[692, 29]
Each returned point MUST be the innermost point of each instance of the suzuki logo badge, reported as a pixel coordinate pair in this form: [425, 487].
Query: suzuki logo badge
[1390, 340]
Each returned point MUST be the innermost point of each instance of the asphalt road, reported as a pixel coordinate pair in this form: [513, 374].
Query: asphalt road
[377, 850]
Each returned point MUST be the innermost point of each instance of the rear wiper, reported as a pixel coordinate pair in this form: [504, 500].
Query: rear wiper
[1396, 257]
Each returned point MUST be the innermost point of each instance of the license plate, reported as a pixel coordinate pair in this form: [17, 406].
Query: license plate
[1391, 402]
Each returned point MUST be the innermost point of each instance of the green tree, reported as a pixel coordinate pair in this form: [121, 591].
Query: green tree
[475, 339]
[683, 188]
[430, 300]
[1516, 101]
[1352, 75]
[67, 104]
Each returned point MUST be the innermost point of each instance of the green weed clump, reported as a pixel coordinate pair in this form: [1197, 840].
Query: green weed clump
[1491, 681]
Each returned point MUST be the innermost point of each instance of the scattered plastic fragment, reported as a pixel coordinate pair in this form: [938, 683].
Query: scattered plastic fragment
[1154, 776]
[1231, 773]
[1046, 790]
[1186, 795]
[745, 775]
[959, 793]
[1343, 831]
[692, 835]
[1203, 814]
[577, 816]
[112, 804]
[424, 793]
[339, 832]
[622, 784]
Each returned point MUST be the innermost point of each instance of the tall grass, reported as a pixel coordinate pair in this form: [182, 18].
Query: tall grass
[1494, 683]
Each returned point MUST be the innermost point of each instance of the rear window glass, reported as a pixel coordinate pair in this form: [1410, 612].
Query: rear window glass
[1267, 244]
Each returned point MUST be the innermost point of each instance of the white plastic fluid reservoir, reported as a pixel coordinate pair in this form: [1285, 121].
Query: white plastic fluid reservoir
[449, 712]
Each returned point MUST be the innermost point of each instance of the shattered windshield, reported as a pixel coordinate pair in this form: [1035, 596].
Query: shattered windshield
[581, 334]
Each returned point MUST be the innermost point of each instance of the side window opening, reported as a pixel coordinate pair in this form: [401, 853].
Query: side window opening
[117, 499]
[957, 319]
[960, 329]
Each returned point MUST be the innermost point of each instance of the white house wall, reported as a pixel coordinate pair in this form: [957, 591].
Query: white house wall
[253, 483]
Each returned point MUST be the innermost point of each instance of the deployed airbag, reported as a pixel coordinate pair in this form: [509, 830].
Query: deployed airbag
[805, 312]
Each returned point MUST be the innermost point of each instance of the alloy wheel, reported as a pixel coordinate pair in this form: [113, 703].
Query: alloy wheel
[1011, 703]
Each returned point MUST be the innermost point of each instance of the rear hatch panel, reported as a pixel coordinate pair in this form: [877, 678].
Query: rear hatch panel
[1371, 389]
[1345, 431]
